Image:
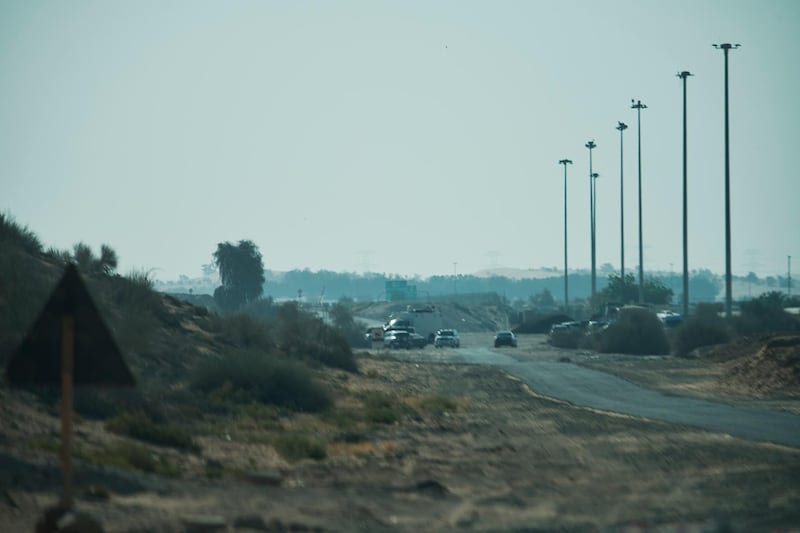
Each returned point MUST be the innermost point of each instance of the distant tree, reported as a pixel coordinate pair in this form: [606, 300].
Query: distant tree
[704, 286]
[626, 290]
[241, 271]
[543, 299]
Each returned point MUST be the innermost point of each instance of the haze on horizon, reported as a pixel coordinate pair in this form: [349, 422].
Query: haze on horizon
[409, 138]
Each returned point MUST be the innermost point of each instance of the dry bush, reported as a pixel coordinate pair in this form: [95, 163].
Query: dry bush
[636, 332]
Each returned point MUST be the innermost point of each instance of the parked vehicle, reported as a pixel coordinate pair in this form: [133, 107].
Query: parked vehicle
[447, 337]
[397, 339]
[569, 327]
[417, 341]
[505, 338]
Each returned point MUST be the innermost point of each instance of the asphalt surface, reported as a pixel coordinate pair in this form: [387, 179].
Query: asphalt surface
[591, 388]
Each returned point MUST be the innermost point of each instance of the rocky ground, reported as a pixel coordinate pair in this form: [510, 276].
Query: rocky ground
[472, 449]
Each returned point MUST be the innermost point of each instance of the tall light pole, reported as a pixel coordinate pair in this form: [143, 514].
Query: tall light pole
[725, 47]
[591, 146]
[565, 162]
[594, 177]
[683, 75]
[621, 127]
[638, 106]
[455, 278]
[789, 275]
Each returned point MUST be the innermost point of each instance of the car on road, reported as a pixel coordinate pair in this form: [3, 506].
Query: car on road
[447, 337]
[396, 339]
[417, 341]
[505, 338]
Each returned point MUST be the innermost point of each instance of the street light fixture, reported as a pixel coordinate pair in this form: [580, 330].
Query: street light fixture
[621, 127]
[638, 106]
[725, 47]
[565, 162]
[683, 75]
[591, 146]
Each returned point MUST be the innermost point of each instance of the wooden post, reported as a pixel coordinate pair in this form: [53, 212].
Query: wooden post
[67, 363]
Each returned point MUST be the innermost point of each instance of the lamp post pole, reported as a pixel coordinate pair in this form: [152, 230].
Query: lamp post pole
[621, 127]
[595, 175]
[683, 75]
[638, 106]
[728, 292]
[565, 162]
[591, 146]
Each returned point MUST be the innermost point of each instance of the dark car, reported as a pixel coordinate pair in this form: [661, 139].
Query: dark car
[397, 338]
[505, 338]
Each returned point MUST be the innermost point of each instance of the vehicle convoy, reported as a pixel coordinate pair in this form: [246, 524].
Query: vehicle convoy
[425, 320]
[447, 337]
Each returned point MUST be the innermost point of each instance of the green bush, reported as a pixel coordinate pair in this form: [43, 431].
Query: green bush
[437, 405]
[296, 447]
[382, 408]
[765, 314]
[636, 332]
[704, 328]
[245, 331]
[250, 376]
[14, 235]
[130, 456]
[140, 426]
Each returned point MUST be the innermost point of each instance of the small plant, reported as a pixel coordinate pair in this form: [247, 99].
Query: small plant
[437, 405]
[382, 408]
[130, 456]
[140, 426]
[297, 447]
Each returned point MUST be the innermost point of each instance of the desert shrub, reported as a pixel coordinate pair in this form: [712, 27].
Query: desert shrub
[103, 402]
[140, 426]
[130, 456]
[251, 376]
[334, 352]
[245, 331]
[14, 235]
[704, 328]
[382, 408]
[346, 325]
[636, 332]
[765, 314]
[296, 447]
[437, 405]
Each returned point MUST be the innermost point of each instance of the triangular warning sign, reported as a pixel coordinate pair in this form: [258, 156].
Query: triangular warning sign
[97, 360]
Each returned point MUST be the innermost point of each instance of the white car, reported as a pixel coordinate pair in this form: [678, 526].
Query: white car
[447, 337]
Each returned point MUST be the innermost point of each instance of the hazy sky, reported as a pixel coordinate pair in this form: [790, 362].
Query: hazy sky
[398, 137]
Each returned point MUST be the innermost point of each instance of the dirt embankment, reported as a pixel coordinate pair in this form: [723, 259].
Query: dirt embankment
[768, 366]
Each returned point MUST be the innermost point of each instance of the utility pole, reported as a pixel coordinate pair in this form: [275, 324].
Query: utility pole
[683, 75]
[638, 106]
[565, 162]
[789, 275]
[621, 127]
[728, 292]
[591, 146]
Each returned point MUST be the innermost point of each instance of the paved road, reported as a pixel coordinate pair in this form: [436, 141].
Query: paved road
[591, 388]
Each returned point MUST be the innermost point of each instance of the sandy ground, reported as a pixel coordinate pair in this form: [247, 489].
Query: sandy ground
[505, 459]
